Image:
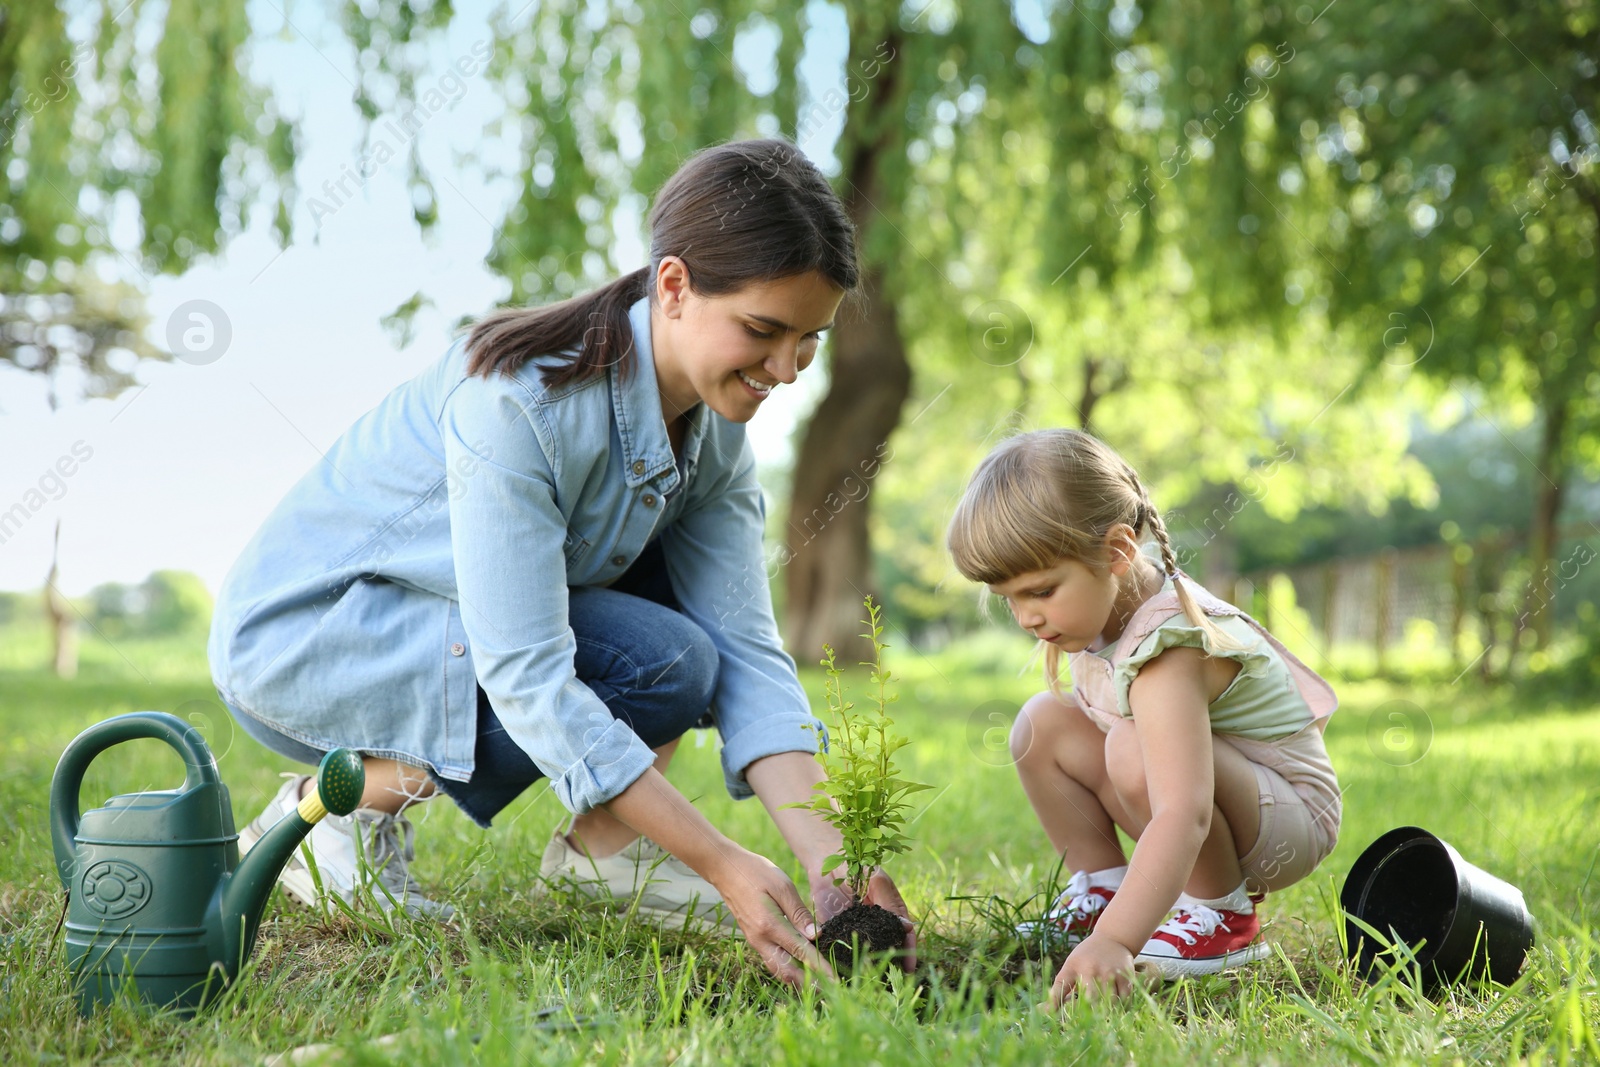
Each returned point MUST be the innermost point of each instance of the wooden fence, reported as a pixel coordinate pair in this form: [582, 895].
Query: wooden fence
[1371, 600]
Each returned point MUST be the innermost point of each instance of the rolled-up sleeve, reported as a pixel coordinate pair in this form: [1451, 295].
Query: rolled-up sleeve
[507, 537]
[714, 556]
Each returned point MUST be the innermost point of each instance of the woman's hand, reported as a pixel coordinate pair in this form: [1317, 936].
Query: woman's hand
[1097, 965]
[771, 915]
[764, 902]
[881, 891]
[791, 778]
[831, 897]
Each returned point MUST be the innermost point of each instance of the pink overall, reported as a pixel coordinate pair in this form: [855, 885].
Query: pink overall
[1300, 799]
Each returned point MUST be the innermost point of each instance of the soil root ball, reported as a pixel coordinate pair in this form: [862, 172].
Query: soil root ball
[875, 929]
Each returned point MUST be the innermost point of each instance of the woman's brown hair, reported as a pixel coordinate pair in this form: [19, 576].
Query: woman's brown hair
[735, 213]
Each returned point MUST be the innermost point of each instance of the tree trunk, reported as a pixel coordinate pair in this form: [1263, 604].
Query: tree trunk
[1102, 376]
[1489, 556]
[828, 562]
[1550, 489]
[844, 447]
[1458, 605]
[1090, 395]
[63, 628]
[1385, 608]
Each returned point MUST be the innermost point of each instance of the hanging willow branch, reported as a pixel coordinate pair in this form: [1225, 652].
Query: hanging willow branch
[83, 119]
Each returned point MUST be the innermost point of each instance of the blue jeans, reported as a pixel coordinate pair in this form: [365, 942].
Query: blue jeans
[652, 666]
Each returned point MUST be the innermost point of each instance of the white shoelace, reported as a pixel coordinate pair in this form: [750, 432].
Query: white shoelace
[390, 847]
[1195, 919]
[1076, 902]
[389, 841]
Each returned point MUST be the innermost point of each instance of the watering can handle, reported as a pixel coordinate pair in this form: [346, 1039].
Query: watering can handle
[199, 769]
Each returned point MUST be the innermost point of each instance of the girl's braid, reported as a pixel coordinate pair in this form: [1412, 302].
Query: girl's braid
[1145, 514]
[1158, 526]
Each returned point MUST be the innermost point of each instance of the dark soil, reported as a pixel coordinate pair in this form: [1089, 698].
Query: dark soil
[1031, 955]
[860, 926]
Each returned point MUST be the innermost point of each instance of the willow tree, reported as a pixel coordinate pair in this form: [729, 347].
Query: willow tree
[1217, 418]
[1136, 290]
[1428, 188]
[1464, 167]
[608, 99]
[1431, 194]
[137, 99]
[947, 73]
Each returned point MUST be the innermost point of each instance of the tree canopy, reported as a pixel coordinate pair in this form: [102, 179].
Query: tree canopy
[1244, 244]
[141, 114]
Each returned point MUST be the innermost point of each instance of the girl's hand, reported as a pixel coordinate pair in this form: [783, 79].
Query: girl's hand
[771, 915]
[831, 897]
[1097, 965]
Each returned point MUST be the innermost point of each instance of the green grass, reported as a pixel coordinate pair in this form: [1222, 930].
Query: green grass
[1511, 782]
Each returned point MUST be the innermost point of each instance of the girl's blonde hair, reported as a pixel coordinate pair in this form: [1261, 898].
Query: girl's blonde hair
[1050, 495]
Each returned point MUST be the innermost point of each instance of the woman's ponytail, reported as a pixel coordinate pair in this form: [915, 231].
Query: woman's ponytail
[735, 213]
[595, 324]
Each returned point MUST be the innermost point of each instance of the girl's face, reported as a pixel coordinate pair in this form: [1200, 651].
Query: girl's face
[1072, 604]
[1068, 605]
[731, 351]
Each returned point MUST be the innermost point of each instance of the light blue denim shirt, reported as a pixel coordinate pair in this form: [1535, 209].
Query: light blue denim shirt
[432, 550]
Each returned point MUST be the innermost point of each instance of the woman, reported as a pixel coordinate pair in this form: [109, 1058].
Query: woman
[542, 557]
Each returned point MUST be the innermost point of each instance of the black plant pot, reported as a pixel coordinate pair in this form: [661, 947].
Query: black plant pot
[1460, 920]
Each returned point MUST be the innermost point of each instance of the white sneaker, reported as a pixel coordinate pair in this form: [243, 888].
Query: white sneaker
[376, 866]
[1072, 917]
[642, 877]
[1198, 939]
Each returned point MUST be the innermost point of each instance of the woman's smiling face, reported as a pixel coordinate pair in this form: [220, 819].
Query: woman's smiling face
[730, 351]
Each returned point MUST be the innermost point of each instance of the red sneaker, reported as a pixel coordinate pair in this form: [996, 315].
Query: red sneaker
[1202, 940]
[1072, 917]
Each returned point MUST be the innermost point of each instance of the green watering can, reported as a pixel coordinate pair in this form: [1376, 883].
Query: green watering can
[160, 902]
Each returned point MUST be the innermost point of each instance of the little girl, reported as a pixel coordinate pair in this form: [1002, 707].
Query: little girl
[1188, 724]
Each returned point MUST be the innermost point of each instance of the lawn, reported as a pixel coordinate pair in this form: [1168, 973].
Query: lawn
[1512, 782]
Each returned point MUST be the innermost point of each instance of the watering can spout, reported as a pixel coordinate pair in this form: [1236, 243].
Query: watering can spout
[338, 787]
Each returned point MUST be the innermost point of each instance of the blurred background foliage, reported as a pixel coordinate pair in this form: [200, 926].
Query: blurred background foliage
[1325, 274]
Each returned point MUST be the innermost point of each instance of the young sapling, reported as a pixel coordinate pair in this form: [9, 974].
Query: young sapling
[864, 798]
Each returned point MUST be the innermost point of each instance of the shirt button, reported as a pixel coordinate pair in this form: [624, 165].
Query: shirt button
[649, 501]
[617, 561]
[458, 649]
[638, 466]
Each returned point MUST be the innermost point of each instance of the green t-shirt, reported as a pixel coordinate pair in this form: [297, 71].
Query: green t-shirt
[1262, 701]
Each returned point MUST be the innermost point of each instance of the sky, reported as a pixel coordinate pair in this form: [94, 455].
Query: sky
[180, 471]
